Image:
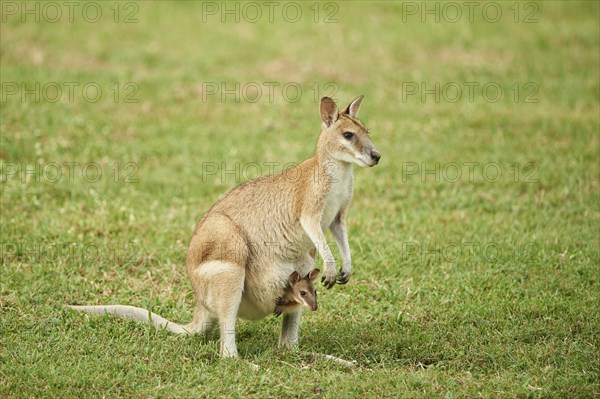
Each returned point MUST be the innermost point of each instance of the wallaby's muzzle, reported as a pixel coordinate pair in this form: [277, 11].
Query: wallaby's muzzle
[375, 156]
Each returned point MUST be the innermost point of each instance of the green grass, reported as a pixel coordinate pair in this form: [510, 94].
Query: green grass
[473, 288]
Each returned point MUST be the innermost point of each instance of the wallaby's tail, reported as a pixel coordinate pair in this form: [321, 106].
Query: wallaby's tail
[139, 314]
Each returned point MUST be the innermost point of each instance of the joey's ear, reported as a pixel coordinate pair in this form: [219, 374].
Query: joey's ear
[294, 278]
[329, 112]
[352, 108]
[313, 274]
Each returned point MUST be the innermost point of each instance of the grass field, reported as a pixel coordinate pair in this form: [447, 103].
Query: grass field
[475, 240]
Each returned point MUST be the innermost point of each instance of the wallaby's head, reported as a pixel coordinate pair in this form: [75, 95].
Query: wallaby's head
[302, 289]
[344, 138]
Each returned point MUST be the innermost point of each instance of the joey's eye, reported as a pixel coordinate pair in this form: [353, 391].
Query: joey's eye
[348, 135]
[303, 293]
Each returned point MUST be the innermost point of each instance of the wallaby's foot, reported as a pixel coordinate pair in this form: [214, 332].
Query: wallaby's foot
[344, 276]
[329, 277]
[229, 353]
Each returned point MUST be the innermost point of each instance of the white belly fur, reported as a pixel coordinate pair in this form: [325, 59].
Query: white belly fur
[273, 279]
[339, 196]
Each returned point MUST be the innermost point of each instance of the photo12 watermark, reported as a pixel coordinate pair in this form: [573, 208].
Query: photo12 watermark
[239, 172]
[469, 252]
[269, 11]
[471, 92]
[525, 12]
[69, 92]
[469, 172]
[92, 12]
[252, 92]
[85, 253]
[71, 171]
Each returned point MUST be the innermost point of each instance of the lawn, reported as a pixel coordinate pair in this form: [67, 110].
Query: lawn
[475, 240]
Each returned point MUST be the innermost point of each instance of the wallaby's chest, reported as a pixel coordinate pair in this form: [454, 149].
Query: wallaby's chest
[338, 196]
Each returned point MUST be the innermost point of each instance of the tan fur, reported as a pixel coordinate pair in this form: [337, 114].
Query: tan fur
[246, 246]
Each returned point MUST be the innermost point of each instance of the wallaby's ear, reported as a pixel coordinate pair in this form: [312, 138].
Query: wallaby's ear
[294, 278]
[329, 112]
[313, 274]
[352, 108]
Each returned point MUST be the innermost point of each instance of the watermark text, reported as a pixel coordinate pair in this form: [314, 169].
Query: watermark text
[470, 11]
[253, 92]
[53, 92]
[71, 11]
[54, 172]
[269, 11]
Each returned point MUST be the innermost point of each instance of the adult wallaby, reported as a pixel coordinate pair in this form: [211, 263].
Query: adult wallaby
[246, 246]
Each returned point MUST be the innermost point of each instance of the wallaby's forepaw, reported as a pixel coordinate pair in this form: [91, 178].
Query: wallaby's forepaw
[343, 277]
[329, 278]
[279, 302]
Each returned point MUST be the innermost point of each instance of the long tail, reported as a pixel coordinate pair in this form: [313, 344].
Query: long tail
[139, 314]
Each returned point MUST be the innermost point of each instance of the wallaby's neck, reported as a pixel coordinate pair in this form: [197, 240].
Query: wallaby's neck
[327, 164]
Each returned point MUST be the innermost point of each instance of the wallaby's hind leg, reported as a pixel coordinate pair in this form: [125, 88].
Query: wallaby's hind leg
[216, 261]
[232, 283]
[227, 325]
[289, 329]
[219, 286]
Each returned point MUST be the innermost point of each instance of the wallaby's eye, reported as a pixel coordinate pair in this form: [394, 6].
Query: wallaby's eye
[348, 135]
[303, 293]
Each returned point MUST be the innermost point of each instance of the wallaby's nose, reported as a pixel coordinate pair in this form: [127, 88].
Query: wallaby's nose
[314, 307]
[375, 155]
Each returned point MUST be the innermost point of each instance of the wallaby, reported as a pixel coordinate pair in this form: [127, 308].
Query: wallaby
[300, 291]
[246, 246]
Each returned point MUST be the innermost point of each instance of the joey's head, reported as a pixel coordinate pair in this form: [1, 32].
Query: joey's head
[302, 289]
[343, 137]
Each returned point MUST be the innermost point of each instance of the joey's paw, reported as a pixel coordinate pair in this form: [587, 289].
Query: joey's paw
[279, 301]
[343, 277]
[329, 279]
[277, 312]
